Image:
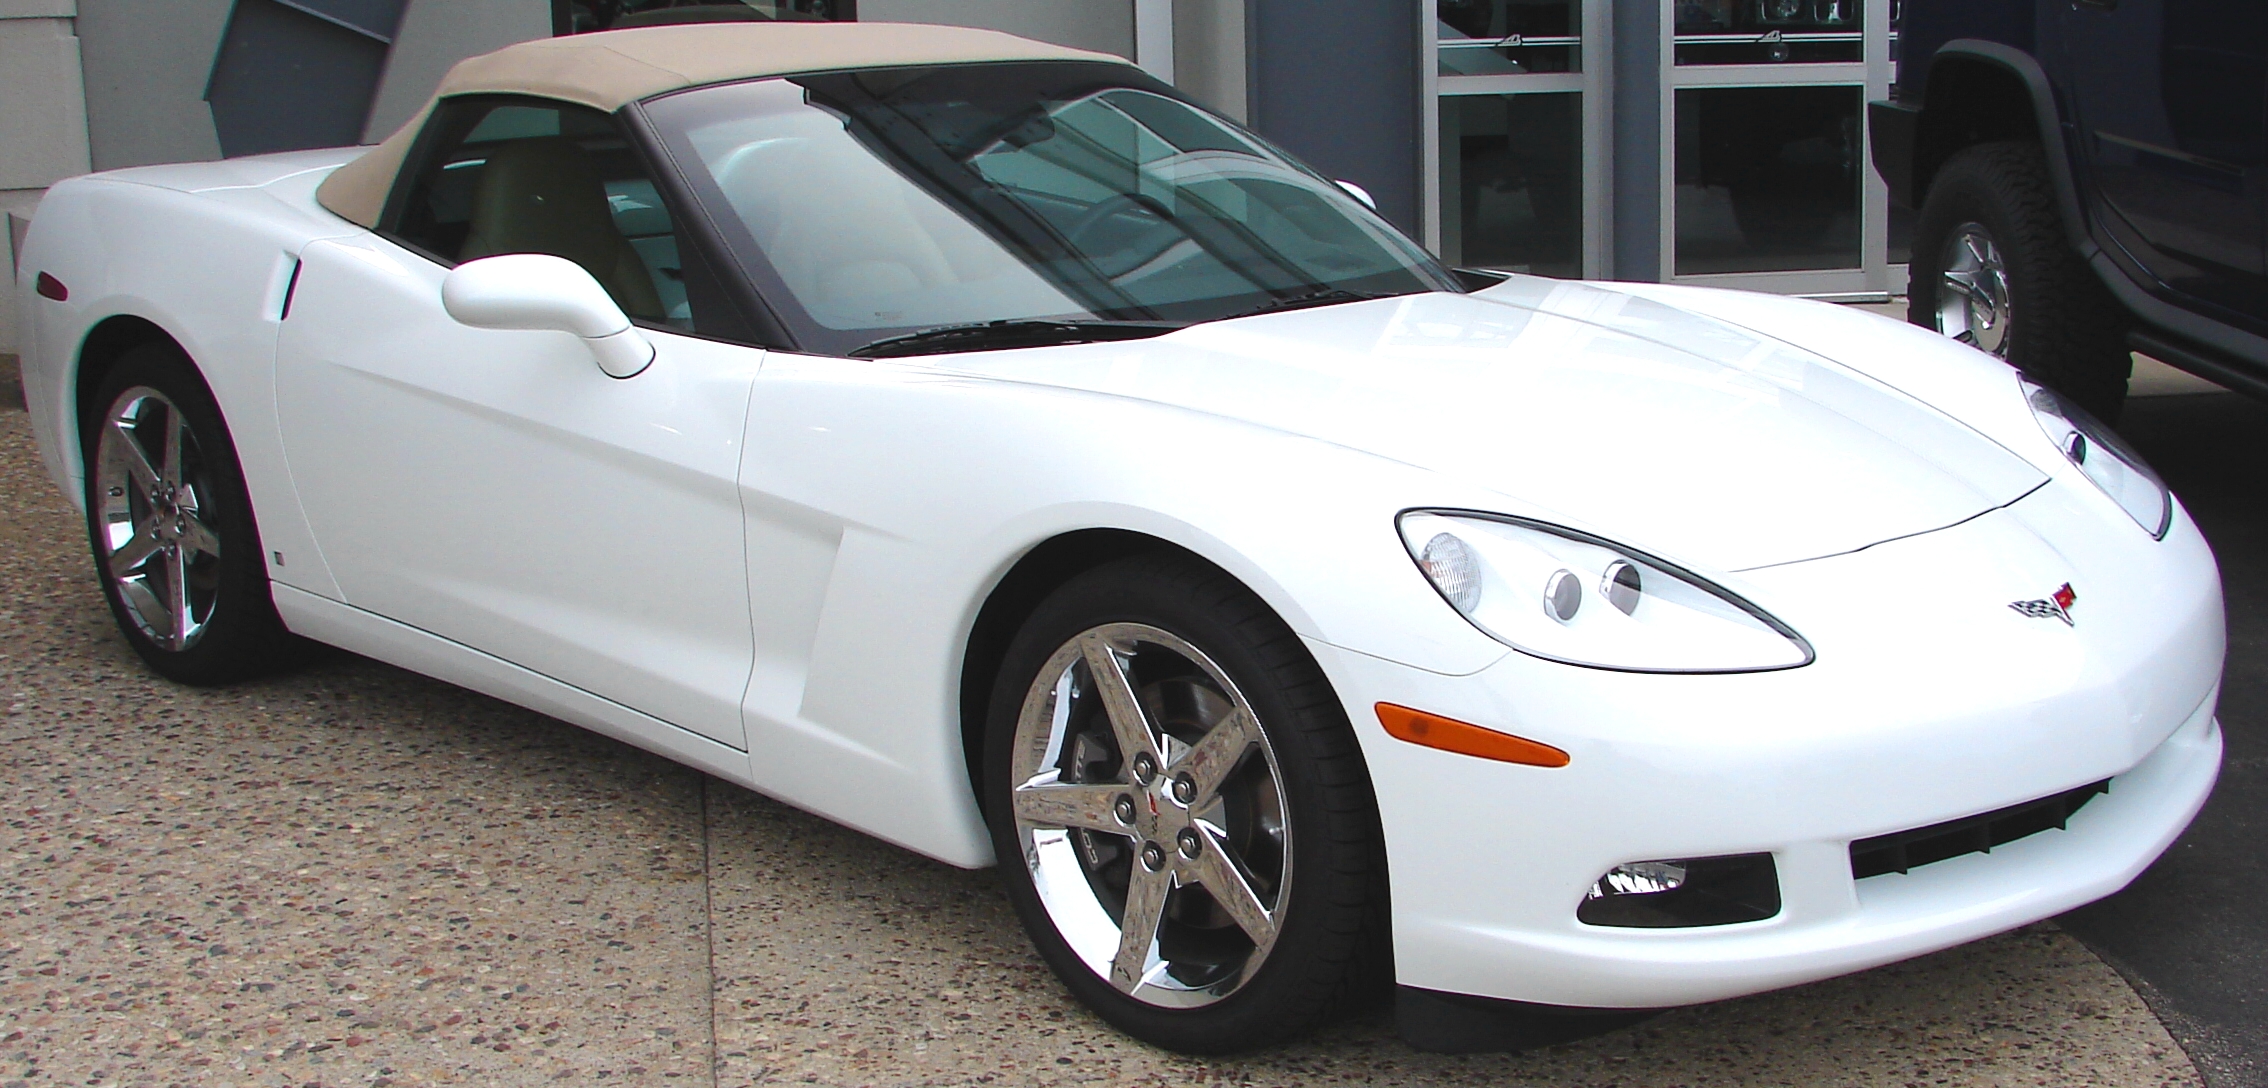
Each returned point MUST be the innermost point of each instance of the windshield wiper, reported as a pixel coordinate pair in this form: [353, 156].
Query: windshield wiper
[1324, 297]
[1015, 333]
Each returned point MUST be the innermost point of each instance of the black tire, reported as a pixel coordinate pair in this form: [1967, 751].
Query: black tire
[1330, 952]
[2065, 330]
[234, 633]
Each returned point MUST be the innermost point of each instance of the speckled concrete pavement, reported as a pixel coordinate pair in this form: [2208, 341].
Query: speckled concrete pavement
[355, 877]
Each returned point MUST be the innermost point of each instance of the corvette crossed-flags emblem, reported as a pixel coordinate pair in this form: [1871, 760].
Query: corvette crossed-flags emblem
[2055, 607]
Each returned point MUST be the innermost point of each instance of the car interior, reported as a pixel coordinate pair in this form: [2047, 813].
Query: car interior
[558, 180]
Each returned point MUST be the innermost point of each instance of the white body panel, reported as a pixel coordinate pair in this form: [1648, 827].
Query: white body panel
[497, 489]
[768, 565]
[204, 252]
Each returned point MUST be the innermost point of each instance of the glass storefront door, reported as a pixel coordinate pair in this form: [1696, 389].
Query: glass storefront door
[1765, 178]
[1769, 184]
[1518, 138]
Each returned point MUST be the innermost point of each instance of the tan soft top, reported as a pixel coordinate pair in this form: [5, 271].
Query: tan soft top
[613, 68]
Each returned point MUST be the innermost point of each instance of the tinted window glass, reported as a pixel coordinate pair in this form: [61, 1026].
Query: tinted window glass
[870, 204]
[513, 176]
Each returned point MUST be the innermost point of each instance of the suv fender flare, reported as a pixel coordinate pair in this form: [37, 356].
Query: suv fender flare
[1933, 144]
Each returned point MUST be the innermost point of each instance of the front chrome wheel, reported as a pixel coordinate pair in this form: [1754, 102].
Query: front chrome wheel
[153, 536]
[1972, 295]
[1149, 808]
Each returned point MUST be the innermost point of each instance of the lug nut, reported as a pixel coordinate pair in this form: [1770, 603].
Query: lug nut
[1145, 768]
[1190, 844]
[1153, 856]
[1124, 810]
[1184, 788]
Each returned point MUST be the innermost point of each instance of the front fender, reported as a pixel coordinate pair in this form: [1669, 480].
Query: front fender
[907, 492]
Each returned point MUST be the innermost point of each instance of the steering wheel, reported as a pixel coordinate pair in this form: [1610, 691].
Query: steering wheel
[1104, 210]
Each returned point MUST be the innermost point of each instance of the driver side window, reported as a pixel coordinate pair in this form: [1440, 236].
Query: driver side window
[516, 175]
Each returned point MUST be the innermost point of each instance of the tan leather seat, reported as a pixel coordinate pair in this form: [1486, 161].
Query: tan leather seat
[543, 195]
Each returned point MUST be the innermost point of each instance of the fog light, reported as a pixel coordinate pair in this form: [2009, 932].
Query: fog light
[1640, 878]
[1683, 893]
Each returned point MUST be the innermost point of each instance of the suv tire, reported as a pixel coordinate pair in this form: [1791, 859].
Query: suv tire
[1991, 267]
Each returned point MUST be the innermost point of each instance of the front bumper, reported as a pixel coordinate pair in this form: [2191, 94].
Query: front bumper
[1920, 709]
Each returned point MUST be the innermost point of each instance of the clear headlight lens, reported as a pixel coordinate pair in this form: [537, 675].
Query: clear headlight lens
[1568, 596]
[2105, 458]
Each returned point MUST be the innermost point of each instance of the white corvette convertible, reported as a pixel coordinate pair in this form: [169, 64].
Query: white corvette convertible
[977, 443]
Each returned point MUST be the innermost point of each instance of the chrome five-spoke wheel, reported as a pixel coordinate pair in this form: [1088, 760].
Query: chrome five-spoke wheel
[170, 526]
[1150, 812]
[1181, 810]
[1973, 303]
[158, 549]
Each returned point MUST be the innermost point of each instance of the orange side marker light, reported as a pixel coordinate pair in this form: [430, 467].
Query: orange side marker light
[1451, 735]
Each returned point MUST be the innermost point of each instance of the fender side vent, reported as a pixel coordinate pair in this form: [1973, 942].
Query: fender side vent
[1901, 851]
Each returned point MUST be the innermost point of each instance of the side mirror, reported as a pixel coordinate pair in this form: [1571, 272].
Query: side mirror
[539, 291]
[1359, 193]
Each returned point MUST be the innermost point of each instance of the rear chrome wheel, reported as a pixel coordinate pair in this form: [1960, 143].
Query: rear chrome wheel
[1150, 812]
[170, 526]
[152, 539]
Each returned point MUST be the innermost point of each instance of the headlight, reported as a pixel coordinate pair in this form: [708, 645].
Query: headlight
[2105, 458]
[1572, 597]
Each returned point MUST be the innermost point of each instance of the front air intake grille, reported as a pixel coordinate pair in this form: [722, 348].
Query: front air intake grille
[1900, 851]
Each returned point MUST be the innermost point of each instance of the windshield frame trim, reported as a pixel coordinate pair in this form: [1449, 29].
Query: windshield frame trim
[758, 286]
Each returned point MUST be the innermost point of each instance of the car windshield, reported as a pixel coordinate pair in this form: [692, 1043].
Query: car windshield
[876, 204]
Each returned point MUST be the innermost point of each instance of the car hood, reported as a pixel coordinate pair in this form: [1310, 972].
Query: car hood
[1657, 426]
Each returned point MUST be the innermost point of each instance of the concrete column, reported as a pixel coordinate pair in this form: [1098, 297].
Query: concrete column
[1153, 37]
[1210, 60]
[1636, 91]
[43, 122]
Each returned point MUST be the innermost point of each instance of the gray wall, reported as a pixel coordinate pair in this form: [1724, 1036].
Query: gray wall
[1105, 26]
[147, 62]
[1336, 82]
[43, 122]
[43, 129]
[438, 33]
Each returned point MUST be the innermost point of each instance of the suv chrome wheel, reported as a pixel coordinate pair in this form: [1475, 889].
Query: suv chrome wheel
[1150, 811]
[151, 527]
[1972, 297]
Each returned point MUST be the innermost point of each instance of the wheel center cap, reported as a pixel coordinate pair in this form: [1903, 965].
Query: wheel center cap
[1156, 813]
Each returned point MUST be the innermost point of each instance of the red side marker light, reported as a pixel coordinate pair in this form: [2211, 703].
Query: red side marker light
[50, 287]
[1451, 735]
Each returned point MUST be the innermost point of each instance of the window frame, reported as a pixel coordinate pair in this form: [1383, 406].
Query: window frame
[722, 310]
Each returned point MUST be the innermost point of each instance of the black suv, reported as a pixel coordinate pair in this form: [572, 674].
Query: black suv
[2090, 178]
